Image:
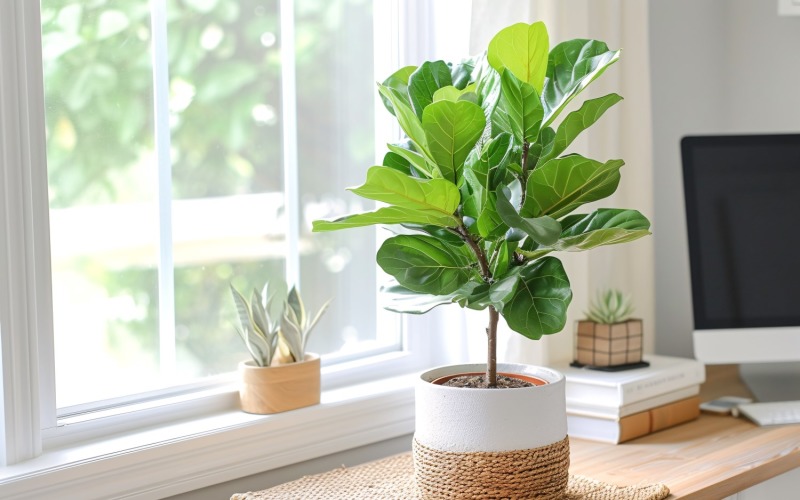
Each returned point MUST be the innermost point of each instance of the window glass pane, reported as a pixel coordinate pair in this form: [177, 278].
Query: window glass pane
[336, 137]
[98, 81]
[228, 209]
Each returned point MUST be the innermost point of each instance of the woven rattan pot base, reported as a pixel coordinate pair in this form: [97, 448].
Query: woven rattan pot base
[540, 473]
[392, 478]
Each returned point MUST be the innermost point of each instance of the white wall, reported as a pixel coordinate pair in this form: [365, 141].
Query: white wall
[717, 66]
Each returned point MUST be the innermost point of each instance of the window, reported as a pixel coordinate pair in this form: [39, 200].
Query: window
[189, 147]
[105, 243]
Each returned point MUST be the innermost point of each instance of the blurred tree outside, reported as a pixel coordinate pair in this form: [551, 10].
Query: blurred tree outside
[225, 123]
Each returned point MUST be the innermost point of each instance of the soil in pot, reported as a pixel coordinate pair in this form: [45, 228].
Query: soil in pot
[478, 381]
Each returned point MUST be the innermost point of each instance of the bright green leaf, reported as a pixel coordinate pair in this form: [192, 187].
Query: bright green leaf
[386, 215]
[451, 131]
[393, 187]
[408, 121]
[522, 49]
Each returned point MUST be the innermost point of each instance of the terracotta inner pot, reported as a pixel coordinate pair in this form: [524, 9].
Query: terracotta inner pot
[518, 376]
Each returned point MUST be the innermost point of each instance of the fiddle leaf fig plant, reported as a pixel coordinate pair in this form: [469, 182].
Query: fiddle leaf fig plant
[484, 188]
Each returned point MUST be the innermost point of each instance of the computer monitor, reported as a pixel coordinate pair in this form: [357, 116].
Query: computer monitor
[742, 196]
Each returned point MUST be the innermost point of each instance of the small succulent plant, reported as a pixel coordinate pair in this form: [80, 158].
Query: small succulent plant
[609, 307]
[274, 322]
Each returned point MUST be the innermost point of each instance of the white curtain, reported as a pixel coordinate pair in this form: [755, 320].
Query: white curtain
[623, 132]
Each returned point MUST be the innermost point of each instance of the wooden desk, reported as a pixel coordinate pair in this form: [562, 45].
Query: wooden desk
[709, 458]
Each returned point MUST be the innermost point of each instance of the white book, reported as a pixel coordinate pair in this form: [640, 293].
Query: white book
[617, 412]
[602, 388]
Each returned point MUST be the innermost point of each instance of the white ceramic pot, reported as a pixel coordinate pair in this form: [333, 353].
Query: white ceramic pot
[491, 443]
[475, 420]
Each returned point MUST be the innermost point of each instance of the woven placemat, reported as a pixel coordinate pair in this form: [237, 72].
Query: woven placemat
[392, 478]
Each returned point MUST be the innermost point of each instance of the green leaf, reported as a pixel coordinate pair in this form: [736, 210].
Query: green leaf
[502, 258]
[461, 73]
[543, 230]
[545, 143]
[605, 226]
[424, 264]
[483, 173]
[390, 186]
[578, 121]
[414, 159]
[406, 118]
[521, 104]
[397, 162]
[398, 81]
[386, 215]
[398, 298]
[522, 49]
[451, 131]
[489, 92]
[453, 94]
[425, 81]
[537, 304]
[572, 66]
[563, 184]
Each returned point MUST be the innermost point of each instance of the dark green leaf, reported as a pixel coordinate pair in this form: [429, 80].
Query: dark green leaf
[415, 159]
[605, 226]
[538, 303]
[461, 73]
[502, 258]
[483, 173]
[578, 121]
[543, 230]
[424, 264]
[397, 162]
[399, 82]
[572, 66]
[563, 184]
[425, 81]
[521, 104]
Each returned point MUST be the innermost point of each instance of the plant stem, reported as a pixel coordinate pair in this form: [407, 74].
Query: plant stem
[494, 316]
[491, 359]
[525, 147]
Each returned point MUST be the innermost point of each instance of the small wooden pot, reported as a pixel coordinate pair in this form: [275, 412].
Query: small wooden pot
[275, 389]
[603, 345]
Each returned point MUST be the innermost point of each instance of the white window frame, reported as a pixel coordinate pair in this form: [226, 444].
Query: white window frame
[43, 457]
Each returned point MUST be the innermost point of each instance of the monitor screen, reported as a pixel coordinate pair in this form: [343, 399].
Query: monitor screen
[742, 198]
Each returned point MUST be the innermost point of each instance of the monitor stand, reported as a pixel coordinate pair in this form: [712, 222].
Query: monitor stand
[772, 381]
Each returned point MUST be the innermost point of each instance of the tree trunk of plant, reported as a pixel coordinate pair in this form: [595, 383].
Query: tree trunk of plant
[491, 358]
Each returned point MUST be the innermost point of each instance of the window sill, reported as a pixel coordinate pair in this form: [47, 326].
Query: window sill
[194, 453]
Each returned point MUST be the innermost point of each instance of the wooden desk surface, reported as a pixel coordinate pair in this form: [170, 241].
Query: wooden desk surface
[709, 458]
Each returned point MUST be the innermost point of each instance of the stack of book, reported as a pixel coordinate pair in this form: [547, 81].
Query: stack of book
[614, 407]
